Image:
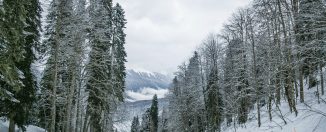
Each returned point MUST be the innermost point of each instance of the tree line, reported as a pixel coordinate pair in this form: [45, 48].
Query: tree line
[82, 48]
[149, 121]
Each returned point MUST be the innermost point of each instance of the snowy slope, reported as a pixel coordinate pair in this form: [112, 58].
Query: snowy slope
[309, 118]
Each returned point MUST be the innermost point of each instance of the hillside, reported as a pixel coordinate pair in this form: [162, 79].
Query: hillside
[311, 117]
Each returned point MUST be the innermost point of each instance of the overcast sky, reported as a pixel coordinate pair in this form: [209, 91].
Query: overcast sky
[161, 34]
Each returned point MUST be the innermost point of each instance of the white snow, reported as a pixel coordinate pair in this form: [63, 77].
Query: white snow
[309, 119]
[4, 125]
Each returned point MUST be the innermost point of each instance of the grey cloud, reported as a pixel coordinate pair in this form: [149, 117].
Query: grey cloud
[161, 34]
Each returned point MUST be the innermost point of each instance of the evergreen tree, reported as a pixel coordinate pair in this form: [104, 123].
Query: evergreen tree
[308, 31]
[13, 16]
[236, 81]
[193, 96]
[100, 83]
[214, 102]
[229, 84]
[163, 124]
[154, 115]
[310, 35]
[58, 45]
[23, 22]
[174, 120]
[49, 48]
[135, 124]
[118, 52]
[146, 121]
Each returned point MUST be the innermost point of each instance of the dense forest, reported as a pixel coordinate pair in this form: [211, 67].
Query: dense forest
[82, 48]
[266, 54]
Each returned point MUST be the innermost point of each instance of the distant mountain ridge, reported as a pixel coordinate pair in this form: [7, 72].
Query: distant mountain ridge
[142, 85]
[136, 80]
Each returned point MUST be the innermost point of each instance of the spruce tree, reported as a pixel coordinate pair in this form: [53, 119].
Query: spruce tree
[135, 125]
[22, 37]
[194, 119]
[12, 19]
[99, 84]
[174, 114]
[154, 114]
[310, 30]
[59, 48]
[118, 51]
[214, 102]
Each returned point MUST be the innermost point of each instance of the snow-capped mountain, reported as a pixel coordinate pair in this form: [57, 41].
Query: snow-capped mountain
[136, 80]
[142, 85]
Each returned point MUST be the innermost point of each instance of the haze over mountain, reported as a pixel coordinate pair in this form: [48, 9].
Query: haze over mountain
[142, 85]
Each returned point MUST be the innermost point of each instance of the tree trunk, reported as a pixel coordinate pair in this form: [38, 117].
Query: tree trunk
[55, 78]
[317, 94]
[258, 113]
[301, 85]
[54, 89]
[70, 99]
[311, 80]
[78, 128]
[270, 107]
[11, 123]
[288, 78]
[321, 79]
[296, 87]
[278, 90]
[288, 91]
[86, 124]
[255, 74]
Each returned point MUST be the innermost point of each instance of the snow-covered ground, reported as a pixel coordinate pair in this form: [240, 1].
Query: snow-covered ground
[4, 125]
[309, 119]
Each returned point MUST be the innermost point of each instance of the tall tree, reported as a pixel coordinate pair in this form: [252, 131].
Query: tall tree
[310, 34]
[80, 48]
[58, 47]
[100, 84]
[154, 114]
[146, 121]
[13, 16]
[118, 51]
[21, 21]
[135, 124]
[214, 102]
[212, 56]
[174, 121]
